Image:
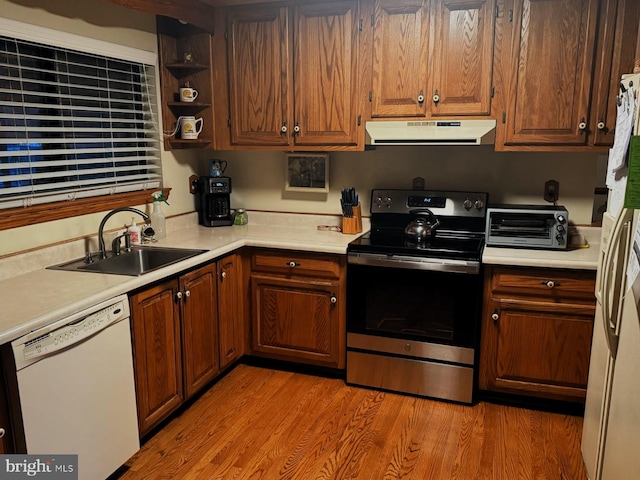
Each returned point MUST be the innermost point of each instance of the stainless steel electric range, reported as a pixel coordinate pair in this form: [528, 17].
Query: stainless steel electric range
[414, 294]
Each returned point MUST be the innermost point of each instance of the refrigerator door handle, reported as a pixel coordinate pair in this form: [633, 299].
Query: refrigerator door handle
[611, 306]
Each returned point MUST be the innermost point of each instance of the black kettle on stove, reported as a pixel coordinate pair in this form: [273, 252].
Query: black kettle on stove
[423, 226]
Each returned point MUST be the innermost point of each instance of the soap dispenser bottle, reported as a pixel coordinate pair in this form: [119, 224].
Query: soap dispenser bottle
[134, 232]
[158, 221]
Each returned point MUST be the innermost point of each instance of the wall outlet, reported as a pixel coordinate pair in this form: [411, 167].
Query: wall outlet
[551, 190]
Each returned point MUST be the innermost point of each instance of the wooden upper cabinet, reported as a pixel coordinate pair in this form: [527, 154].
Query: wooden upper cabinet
[432, 58]
[317, 104]
[549, 71]
[617, 33]
[259, 75]
[461, 57]
[399, 64]
[326, 73]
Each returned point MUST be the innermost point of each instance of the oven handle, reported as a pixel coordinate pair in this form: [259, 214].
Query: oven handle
[414, 263]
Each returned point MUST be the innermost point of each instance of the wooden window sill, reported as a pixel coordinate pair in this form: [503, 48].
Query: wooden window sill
[21, 217]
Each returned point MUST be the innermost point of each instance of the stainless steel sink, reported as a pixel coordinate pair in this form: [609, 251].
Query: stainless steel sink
[138, 261]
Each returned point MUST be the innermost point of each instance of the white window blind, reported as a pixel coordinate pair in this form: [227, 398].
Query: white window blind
[74, 124]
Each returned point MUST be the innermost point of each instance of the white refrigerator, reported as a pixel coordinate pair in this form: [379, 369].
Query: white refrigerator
[611, 428]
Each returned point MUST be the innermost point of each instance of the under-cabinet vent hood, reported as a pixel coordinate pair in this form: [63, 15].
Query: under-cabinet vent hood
[431, 132]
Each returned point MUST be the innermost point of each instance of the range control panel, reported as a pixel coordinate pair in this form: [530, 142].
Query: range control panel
[440, 202]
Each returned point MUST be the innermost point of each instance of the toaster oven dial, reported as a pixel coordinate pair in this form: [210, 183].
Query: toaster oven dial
[560, 228]
[561, 219]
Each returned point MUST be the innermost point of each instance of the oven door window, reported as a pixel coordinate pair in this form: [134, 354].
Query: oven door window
[414, 304]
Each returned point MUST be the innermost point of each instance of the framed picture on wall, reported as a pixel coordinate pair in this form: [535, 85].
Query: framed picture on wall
[307, 172]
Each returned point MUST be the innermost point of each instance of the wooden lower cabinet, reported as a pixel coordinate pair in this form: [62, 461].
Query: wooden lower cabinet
[199, 328]
[536, 332]
[176, 339]
[155, 320]
[230, 311]
[298, 302]
[6, 438]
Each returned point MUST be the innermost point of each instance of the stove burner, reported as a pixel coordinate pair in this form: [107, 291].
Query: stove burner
[460, 234]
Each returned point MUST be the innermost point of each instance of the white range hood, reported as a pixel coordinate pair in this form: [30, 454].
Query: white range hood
[431, 132]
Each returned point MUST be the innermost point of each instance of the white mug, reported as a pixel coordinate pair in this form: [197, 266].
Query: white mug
[190, 127]
[188, 94]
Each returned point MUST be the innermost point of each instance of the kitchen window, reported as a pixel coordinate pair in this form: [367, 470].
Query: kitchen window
[74, 124]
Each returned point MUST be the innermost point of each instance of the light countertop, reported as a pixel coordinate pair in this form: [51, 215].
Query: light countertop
[41, 296]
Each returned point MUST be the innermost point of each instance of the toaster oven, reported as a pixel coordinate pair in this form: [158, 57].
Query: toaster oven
[529, 226]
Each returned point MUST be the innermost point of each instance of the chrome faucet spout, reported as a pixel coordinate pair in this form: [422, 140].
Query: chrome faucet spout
[103, 250]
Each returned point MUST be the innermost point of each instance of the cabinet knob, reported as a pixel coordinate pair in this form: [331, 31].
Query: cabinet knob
[296, 128]
[223, 275]
[187, 293]
[550, 283]
[2, 432]
[495, 316]
[293, 264]
[601, 125]
[179, 295]
[421, 97]
[583, 124]
[284, 128]
[333, 299]
[436, 97]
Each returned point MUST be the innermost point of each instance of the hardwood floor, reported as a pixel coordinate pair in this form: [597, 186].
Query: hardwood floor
[268, 424]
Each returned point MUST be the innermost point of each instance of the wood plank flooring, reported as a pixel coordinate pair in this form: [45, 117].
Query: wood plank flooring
[267, 424]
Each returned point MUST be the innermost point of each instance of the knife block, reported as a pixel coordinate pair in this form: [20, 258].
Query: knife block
[353, 225]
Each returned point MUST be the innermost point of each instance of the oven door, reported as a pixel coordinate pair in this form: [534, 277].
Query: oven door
[421, 301]
[413, 325]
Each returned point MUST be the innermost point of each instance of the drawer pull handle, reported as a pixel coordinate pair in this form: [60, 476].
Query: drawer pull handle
[293, 264]
[550, 283]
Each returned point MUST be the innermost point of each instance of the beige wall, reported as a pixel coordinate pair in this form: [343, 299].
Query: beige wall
[258, 177]
[104, 21]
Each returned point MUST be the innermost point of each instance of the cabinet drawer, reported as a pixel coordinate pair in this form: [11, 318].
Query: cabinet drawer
[297, 264]
[552, 284]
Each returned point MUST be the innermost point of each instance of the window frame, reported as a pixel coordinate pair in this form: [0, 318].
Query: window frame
[39, 213]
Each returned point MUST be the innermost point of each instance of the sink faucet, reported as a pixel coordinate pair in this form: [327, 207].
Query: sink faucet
[103, 250]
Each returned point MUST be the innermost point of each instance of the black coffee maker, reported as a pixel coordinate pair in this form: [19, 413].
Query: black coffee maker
[213, 201]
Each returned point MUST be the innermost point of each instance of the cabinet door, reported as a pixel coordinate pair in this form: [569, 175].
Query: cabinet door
[6, 437]
[199, 328]
[550, 67]
[400, 58]
[259, 78]
[461, 56]
[155, 320]
[326, 70]
[540, 349]
[229, 310]
[618, 30]
[296, 319]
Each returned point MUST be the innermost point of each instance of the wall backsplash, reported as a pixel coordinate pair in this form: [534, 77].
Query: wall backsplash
[509, 177]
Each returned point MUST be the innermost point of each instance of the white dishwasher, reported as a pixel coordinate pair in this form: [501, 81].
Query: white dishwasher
[76, 388]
